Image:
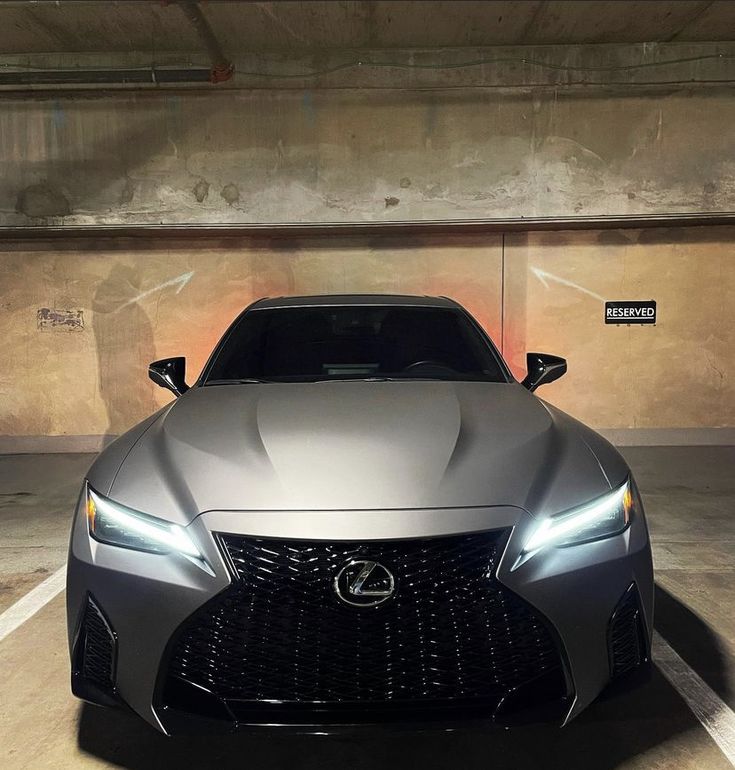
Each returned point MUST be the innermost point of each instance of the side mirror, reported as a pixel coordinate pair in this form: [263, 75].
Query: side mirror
[543, 368]
[170, 373]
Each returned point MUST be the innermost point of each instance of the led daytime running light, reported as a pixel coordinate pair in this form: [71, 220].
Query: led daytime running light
[553, 530]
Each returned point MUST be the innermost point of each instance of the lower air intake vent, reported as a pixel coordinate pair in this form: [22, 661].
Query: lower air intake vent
[626, 639]
[96, 649]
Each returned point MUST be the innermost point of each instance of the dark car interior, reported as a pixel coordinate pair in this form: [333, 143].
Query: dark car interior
[355, 342]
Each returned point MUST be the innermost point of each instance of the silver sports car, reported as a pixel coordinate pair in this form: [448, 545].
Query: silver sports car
[356, 516]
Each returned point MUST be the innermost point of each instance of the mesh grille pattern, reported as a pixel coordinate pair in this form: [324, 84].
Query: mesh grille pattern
[280, 633]
[99, 648]
[627, 649]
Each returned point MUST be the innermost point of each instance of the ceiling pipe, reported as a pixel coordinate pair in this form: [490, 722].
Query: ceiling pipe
[145, 76]
[222, 67]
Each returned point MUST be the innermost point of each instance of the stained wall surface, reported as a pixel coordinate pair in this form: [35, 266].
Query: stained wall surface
[538, 291]
[143, 303]
[677, 374]
[364, 155]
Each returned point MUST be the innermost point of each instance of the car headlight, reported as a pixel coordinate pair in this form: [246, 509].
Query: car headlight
[115, 524]
[603, 517]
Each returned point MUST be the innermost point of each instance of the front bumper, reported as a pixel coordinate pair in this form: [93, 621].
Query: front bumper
[145, 598]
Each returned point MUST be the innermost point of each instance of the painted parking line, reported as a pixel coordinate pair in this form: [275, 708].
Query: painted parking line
[28, 605]
[717, 718]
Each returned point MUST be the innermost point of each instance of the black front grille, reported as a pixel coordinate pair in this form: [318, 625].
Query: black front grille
[626, 637]
[97, 648]
[280, 633]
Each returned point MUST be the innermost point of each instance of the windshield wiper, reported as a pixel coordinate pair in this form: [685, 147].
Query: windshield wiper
[257, 381]
[376, 378]
[243, 381]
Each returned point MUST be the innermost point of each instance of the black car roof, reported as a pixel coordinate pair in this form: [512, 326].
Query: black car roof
[327, 300]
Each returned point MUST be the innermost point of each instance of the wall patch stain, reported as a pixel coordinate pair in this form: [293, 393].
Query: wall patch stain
[49, 319]
[42, 200]
[231, 193]
[58, 115]
[614, 238]
[308, 103]
[127, 192]
[391, 201]
[405, 182]
[434, 190]
[201, 191]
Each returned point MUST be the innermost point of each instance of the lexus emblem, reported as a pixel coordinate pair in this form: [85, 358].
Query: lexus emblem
[364, 583]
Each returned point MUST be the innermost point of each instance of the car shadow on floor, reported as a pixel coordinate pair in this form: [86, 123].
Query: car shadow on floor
[615, 729]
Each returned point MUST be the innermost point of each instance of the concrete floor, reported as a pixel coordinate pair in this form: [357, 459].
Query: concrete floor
[690, 500]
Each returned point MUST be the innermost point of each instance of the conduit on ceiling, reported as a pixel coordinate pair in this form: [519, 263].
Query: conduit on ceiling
[221, 67]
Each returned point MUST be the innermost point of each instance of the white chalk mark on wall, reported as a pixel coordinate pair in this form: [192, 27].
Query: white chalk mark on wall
[545, 278]
[265, 7]
[181, 280]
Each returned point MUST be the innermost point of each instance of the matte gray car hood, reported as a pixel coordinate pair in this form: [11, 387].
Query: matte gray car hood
[357, 445]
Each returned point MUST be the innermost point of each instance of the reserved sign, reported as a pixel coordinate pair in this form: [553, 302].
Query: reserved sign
[630, 312]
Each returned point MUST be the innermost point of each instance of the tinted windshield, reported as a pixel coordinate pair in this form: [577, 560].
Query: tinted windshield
[305, 344]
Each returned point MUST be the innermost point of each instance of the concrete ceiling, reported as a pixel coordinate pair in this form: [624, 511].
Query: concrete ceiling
[247, 27]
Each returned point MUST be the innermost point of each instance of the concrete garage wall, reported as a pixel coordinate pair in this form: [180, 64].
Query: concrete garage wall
[346, 155]
[676, 375]
[154, 301]
[549, 131]
[167, 298]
